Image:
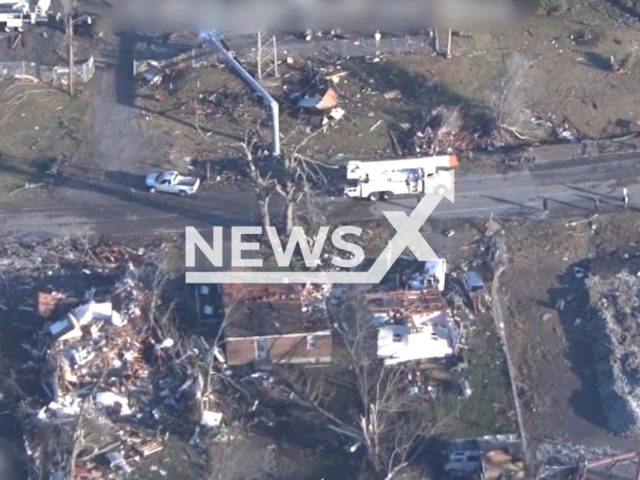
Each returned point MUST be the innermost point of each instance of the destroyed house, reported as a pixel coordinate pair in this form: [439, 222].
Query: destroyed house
[413, 325]
[276, 324]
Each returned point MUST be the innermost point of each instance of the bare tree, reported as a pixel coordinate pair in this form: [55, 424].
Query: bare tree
[510, 101]
[393, 421]
[386, 419]
[262, 182]
[232, 297]
[69, 8]
[261, 179]
[292, 188]
[293, 176]
[301, 174]
[56, 445]
[449, 127]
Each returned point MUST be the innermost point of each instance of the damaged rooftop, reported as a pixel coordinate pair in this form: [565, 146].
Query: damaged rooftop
[157, 377]
[406, 302]
[274, 309]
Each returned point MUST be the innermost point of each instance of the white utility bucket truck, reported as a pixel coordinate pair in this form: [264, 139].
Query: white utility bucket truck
[15, 13]
[374, 180]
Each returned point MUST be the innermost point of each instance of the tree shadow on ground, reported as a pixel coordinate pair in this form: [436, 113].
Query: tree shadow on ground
[580, 322]
[125, 82]
[13, 464]
[30, 170]
[598, 61]
[127, 188]
[420, 94]
[126, 88]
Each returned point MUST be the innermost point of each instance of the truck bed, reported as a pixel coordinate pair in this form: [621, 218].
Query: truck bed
[186, 181]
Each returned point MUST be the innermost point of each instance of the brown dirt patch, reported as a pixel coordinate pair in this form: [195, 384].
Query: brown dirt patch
[547, 301]
[538, 253]
[617, 231]
[571, 86]
[39, 125]
[224, 106]
[227, 109]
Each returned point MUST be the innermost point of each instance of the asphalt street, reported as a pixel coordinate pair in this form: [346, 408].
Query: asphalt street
[358, 44]
[112, 209]
[82, 207]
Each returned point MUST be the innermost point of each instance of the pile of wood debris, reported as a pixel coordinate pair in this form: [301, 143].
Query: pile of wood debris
[113, 373]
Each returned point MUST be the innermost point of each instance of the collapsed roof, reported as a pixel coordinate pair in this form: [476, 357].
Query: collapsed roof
[274, 309]
[414, 325]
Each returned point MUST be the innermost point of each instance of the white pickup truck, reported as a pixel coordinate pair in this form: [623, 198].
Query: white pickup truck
[172, 182]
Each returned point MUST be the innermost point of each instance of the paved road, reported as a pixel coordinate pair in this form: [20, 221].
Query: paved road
[245, 46]
[120, 210]
[356, 45]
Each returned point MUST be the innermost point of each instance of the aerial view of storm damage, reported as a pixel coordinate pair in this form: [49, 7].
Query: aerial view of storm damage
[319, 239]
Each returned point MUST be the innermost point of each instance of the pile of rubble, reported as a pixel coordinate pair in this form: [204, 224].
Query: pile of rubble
[29, 259]
[442, 132]
[321, 101]
[614, 330]
[229, 101]
[562, 461]
[113, 379]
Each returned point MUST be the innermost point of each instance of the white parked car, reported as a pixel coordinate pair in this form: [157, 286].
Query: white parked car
[172, 182]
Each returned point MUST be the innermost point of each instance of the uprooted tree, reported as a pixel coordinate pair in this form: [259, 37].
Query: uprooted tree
[510, 101]
[391, 423]
[261, 179]
[293, 176]
[301, 177]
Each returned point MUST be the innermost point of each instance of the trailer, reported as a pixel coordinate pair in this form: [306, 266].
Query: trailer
[14, 14]
[388, 178]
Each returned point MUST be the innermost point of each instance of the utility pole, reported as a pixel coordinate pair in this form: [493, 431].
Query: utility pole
[68, 7]
[436, 43]
[441, 17]
[71, 60]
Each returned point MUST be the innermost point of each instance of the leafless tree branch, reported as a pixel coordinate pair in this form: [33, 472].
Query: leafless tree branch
[511, 100]
[392, 422]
